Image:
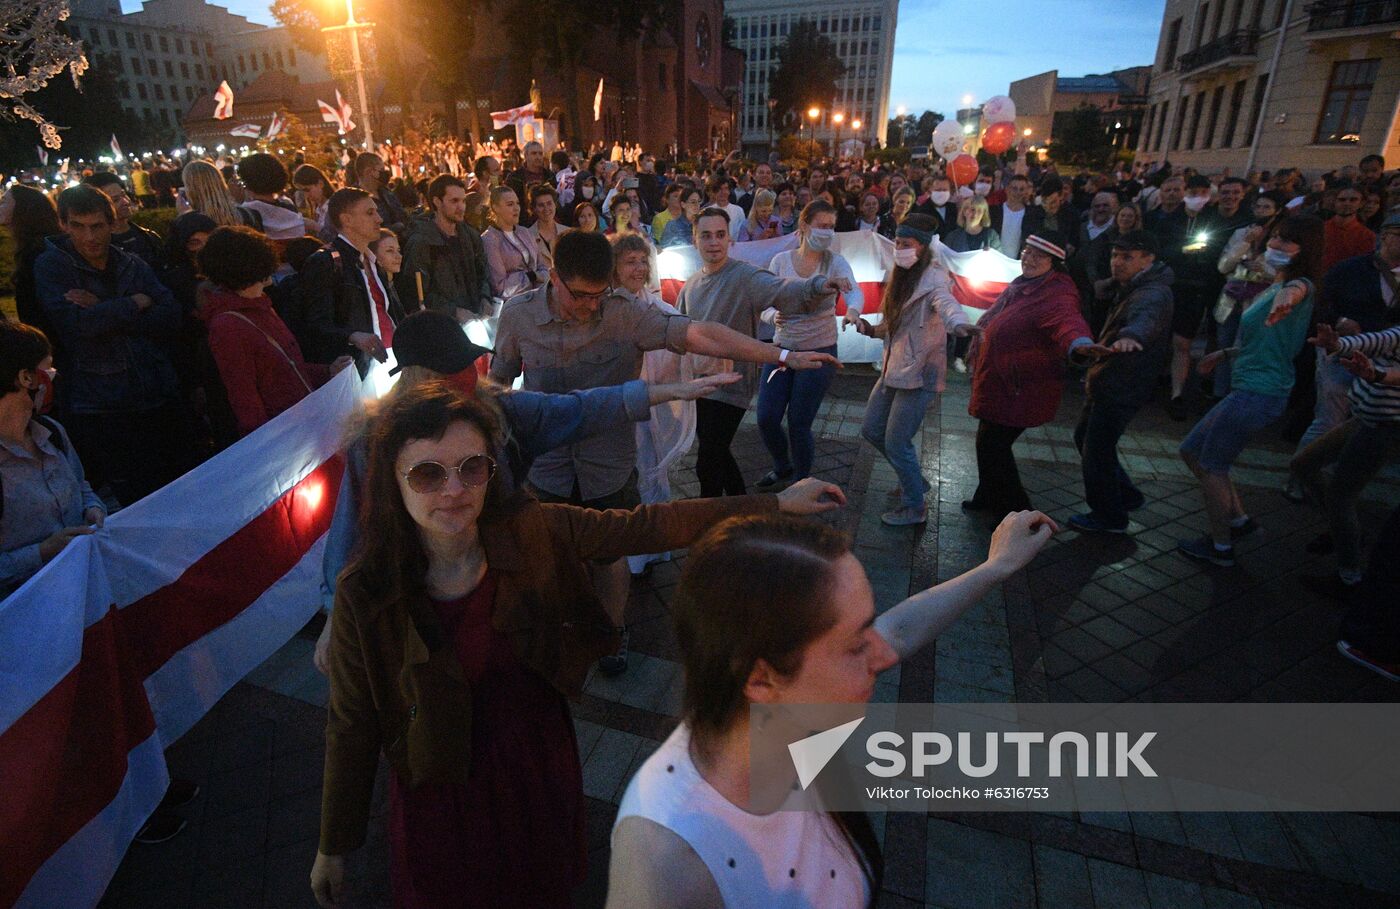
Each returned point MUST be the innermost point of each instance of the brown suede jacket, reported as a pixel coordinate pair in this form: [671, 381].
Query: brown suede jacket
[390, 691]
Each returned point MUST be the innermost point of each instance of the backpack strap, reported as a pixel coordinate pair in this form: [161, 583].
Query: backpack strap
[273, 341]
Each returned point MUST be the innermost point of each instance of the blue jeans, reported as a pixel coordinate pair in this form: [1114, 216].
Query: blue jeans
[1107, 487]
[799, 394]
[1333, 406]
[1226, 428]
[892, 419]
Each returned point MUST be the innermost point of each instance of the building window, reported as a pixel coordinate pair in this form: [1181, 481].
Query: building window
[169, 70]
[146, 40]
[141, 90]
[1233, 119]
[160, 93]
[165, 116]
[1181, 105]
[1344, 105]
[267, 60]
[152, 68]
[242, 66]
[1173, 40]
[135, 67]
[164, 44]
[131, 40]
[126, 90]
[112, 36]
[279, 60]
[1202, 17]
[209, 50]
[1162, 125]
[1260, 88]
[199, 71]
[179, 45]
[253, 62]
[291, 56]
[1216, 99]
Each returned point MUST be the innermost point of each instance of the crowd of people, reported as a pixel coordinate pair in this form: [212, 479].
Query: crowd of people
[477, 564]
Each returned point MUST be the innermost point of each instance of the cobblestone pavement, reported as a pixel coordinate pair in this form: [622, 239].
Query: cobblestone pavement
[1114, 619]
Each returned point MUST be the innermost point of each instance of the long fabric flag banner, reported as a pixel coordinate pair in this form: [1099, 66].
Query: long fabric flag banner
[978, 277]
[125, 640]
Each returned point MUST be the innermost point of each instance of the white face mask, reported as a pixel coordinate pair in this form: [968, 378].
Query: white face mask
[906, 256]
[819, 238]
[982, 188]
[1196, 203]
[587, 192]
[964, 192]
[940, 196]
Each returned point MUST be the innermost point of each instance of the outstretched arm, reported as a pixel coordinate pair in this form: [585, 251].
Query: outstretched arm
[913, 624]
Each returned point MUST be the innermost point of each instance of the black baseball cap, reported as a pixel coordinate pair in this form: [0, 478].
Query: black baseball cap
[1133, 239]
[436, 341]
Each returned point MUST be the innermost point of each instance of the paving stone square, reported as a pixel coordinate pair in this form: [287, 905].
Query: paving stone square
[1112, 619]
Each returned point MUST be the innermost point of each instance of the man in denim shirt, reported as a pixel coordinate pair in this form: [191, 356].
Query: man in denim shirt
[113, 322]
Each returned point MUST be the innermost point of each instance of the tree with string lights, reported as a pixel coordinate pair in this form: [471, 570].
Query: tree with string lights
[35, 49]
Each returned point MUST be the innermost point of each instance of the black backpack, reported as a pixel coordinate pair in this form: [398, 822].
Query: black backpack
[59, 441]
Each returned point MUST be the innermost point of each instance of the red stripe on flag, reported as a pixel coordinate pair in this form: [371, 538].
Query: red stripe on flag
[63, 761]
[977, 294]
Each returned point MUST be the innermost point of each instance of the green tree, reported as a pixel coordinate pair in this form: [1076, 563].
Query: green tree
[807, 72]
[923, 127]
[87, 118]
[1080, 138]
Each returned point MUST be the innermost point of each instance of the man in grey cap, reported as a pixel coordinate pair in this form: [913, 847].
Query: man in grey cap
[1131, 351]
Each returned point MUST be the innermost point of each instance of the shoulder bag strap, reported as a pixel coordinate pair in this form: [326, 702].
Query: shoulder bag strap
[273, 341]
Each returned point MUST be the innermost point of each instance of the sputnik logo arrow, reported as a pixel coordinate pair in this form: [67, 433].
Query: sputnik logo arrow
[811, 754]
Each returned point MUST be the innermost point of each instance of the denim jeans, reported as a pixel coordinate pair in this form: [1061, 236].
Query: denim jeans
[799, 394]
[1333, 406]
[1360, 450]
[892, 419]
[1107, 487]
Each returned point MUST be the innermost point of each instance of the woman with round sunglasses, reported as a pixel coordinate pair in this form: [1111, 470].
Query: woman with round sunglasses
[462, 625]
[430, 345]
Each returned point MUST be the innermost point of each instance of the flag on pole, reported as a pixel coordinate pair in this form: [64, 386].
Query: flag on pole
[276, 127]
[502, 118]
[246, 131]
[598, 102]
[339, 115]
[116, 148]
[63, 168]
[223, 101]
[43, 156]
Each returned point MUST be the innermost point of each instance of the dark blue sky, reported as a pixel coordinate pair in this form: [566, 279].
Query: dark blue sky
[946, 49]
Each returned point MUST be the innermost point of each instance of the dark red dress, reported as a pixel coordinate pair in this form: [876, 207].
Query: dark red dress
[512, 834]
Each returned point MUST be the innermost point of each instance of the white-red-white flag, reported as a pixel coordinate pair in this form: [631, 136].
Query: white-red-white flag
[500, 119]
[43, 155]
[276, 127]
[339, 115]
[223, 101]
[246, 131]
[598, 102]
[116, 147]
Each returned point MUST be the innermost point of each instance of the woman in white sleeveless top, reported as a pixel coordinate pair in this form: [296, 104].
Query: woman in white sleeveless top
[787, 601]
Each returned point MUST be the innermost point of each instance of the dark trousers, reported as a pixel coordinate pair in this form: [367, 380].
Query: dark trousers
[999, 486]
[799, 395]
[715, 426]
[1107, 487]
[1373, 622]
[136, 453]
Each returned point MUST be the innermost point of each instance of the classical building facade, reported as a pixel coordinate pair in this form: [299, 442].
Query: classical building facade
[172, 52]
[1263, 84]
[1043, 101]
[864, 36]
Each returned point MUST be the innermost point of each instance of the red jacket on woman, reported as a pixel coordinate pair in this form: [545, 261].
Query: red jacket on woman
[1020, 359]
[261, 380]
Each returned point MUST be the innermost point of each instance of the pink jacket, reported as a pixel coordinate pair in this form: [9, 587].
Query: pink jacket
[1020, 360]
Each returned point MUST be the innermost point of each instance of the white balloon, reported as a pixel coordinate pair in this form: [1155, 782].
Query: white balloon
[948, 139]
[999, 109]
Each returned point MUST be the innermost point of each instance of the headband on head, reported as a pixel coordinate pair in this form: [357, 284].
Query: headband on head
[1045, 246]
[913, 233]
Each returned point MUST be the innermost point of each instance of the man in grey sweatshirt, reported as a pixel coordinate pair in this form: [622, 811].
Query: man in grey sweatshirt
[734, 293]
[1133, 347]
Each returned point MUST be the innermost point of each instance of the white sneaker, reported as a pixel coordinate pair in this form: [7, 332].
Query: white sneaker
[959, 364]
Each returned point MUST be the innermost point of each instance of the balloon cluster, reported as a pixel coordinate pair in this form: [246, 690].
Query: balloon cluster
[1000, 134]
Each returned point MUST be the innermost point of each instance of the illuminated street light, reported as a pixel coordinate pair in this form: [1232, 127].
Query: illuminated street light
[855, 125]
[1026, 132]
[813, 113]
[901, 110]
[352, 26]
[967, 100]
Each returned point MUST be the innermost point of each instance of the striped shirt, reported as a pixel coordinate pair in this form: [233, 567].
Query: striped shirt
[1371, 401]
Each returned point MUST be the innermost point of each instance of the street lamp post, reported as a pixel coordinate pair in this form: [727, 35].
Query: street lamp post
[812, 114]
[354, 27]
[837, 118]
[772, 110]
